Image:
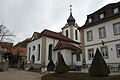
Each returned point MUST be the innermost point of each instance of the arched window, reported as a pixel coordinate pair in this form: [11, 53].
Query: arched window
[66, 33]
[59, 53]
[33, 59]
[50, 52]
[76, 35]
[29, 53]
[38, 51]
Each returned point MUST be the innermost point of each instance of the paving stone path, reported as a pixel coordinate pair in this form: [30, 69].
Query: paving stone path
[19, 75]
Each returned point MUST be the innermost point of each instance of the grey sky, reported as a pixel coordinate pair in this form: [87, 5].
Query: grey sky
[26, 16]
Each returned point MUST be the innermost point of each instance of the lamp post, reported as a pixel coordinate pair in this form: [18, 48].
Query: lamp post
[84, 63]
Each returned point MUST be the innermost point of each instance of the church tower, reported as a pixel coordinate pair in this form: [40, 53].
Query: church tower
[70, 29]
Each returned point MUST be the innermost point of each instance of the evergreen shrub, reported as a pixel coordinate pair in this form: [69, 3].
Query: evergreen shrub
[99, 66]
[61, 66]
[50, 66]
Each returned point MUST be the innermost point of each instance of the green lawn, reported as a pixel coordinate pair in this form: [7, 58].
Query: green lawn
[77, 76]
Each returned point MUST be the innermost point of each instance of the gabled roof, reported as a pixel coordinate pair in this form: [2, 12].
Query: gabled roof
[22, 44]
[65, 45]
[55, 35]
[36, 35]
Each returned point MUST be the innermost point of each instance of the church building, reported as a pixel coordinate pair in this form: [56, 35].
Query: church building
[47, 45]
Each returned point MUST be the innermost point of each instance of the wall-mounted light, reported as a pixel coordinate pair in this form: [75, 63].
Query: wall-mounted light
[111, 48]
[103, 43]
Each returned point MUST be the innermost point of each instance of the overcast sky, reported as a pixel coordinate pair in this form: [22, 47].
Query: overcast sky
[23, 17]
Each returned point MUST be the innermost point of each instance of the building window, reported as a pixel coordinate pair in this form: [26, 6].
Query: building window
[59, 53]
[102, 32]
[66, 33]
[104, 52]
[90, 20]
[33, 48]
[76, 35]
[38, 51]
[101, 15]
[115, 10]
[50, 52]
[77, 57]
[116, 28]
[90, 53]
[118, 50]
[29, 53]
[89, 36]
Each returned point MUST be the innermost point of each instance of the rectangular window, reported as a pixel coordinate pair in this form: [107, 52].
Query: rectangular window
[90, 20]
[118, 50]
[89, 36]
[59, 53]
[77, 57]
[104, 52]
[76, 35]
[101, 15]
[66, 33]
[102, 32]
[90, 53]
[116, 28]
[115, 10]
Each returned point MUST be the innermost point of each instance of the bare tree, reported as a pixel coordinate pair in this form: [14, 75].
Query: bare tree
[5, 33]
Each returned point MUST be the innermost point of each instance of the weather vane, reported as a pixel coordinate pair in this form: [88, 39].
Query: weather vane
[70, 8]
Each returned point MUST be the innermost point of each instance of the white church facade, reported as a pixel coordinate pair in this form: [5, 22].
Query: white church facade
[102, 30]
[49, 45]
[78, 44]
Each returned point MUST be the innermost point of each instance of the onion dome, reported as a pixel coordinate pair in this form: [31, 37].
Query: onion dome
[71, 20]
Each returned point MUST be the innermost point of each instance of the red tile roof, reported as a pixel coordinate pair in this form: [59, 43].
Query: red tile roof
[6, 47]
[65, 45]
[55, 35]
[6, 44]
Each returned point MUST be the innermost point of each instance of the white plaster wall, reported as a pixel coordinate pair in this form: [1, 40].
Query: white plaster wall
[109, 37]
[55, 59]
[78, 63]
[48, 42]
[35, 52]
[74, 28]
[64, 31]
[111, 53]
[66, 55]
[109, 32]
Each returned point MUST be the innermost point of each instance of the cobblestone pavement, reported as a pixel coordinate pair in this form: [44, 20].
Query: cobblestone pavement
[19, 75]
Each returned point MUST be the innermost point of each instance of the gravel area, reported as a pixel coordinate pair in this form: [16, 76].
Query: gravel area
[13, 74]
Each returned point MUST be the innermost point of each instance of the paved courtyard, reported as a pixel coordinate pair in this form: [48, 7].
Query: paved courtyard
[19, 75]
